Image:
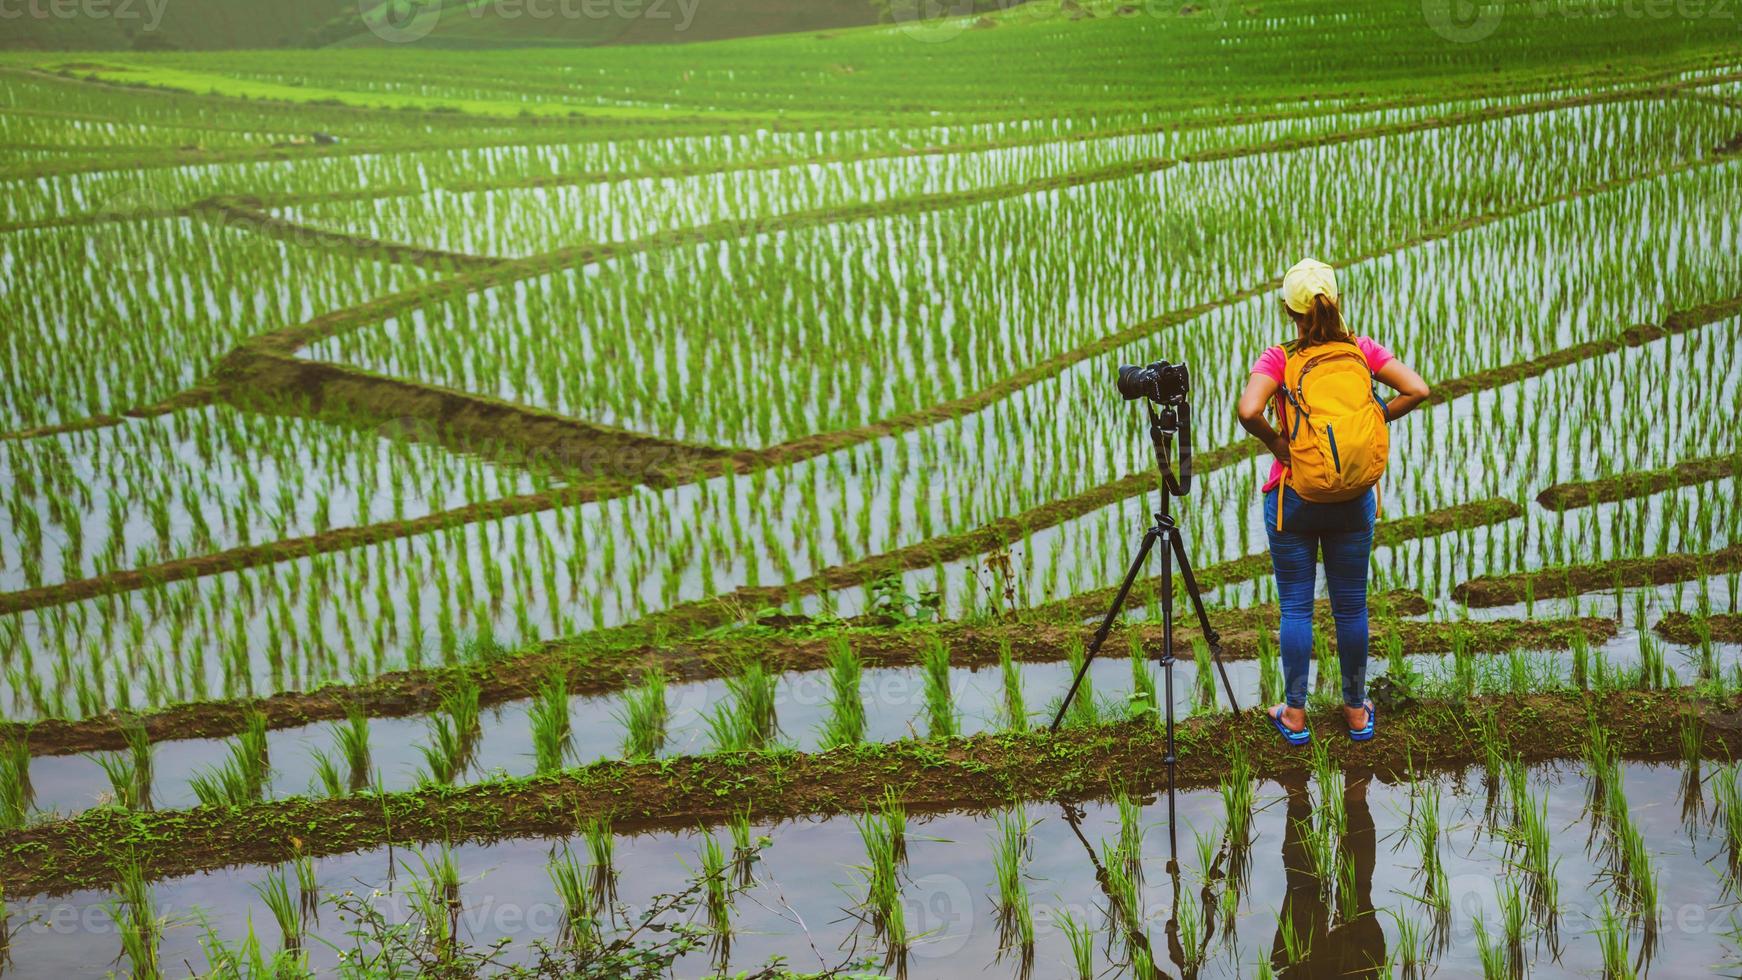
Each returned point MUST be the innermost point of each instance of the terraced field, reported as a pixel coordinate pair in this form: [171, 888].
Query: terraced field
[586, 511]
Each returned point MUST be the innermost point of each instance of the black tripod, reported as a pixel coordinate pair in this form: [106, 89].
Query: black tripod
[1173, 419]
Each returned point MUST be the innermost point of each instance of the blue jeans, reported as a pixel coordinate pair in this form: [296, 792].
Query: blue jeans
[1343, 533]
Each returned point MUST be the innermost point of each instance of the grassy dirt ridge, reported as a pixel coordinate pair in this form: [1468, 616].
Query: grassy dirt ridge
[1641, 483]
[1386, 532]
[1563, 580]
[246, 215]
[1679, 627]
[595, 671]
[338, 539]
[977, 772]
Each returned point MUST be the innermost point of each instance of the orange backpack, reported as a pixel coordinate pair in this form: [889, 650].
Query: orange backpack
[1338, 438]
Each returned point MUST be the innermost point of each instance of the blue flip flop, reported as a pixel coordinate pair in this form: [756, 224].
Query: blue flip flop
[1364, 734]
[1289, 735]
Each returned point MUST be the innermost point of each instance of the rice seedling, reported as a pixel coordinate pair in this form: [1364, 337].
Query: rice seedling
[1612, 941]
[134, 912]
[580, 926]
[1203, 675]
[242, 776]
[643, 716]
[352, 739]
[716, 887]
[1010, 852]
[846, 722]
[1729, 801]
[1080, 935]
[435, 898]
[747, 720]
[274, 890]
[1269, 670]
[882, 875]
[1296, 945]
[940, 705]
[549, 716]
[1083, 710]
[15, 786]
[602, 872]
[1015, 711]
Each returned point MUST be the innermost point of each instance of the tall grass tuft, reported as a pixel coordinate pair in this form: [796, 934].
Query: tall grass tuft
[549, 717]
[846, 722]
[644, 715]
[940, 704]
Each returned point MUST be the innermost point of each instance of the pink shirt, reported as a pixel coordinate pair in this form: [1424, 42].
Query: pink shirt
[1271, 364]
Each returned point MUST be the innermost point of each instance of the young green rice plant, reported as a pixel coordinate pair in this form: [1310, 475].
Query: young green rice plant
[124, 782]
[747, 720]
[716, 887]
[1729, 800]
[894, 815]
[461, 702]
[580, 927]
[308, 888]
[1295, 945]
[1580, 648]
[1130, 833]
[882, 876]
[1015, 711]
[134, 912]
[1237, 798]
[1189, 922]
[274, 890]
[15, 788]
[1145, 703]
[1612, 940]
[1409, 945]
[1512, 921]
[600, 847]
[643, 716]
[1491, 955]
[242, 777]
[1081, 938]
[139, 752]
[1203, 675]
[940, 704]
[435, 898]
[1083, 710]
[446, 753]
[328, 781]
[846, 721]
[1691, 736]
[1124, 889]
[1010, 848]
[352, 738]
[549, 716]
[743, 851]
[1269, 670]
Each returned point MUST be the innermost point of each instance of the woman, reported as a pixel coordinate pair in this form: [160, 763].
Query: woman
[1342, 532]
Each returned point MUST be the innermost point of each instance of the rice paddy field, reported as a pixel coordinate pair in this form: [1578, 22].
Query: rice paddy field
[635, 512]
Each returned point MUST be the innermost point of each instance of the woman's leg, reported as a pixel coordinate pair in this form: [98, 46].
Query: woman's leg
[1294, 556]
[1347, 557]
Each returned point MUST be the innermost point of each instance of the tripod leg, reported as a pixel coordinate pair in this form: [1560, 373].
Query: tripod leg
[1167, 555]
[1211, 637]
[1137, 563]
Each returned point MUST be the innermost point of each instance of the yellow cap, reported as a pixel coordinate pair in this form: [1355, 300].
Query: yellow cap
[1307, 279]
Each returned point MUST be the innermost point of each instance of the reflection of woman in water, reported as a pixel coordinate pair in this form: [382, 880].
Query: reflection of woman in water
[1336, 947]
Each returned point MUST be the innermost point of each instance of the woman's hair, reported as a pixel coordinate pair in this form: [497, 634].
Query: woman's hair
[1322, 323]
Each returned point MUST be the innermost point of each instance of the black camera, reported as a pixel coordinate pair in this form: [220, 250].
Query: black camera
[1161, 382]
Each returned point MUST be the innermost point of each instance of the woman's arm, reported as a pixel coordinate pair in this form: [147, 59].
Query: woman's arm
[1260, 388]
[1411, 389]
